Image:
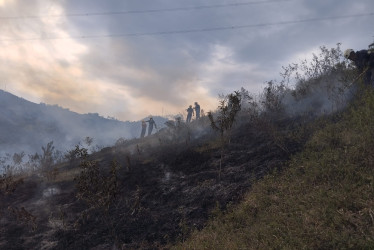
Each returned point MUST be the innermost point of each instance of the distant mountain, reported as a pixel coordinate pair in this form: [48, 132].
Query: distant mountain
[27, 126]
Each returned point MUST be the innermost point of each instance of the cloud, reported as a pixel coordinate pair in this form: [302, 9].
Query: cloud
[222, 74]
[90, 67]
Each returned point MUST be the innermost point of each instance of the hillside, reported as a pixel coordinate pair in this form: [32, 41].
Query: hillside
[323, 199]
[160, 190]
[27, 126]
[291, 170]
[156, 190]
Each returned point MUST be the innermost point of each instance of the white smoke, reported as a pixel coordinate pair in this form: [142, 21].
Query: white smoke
[318, 97]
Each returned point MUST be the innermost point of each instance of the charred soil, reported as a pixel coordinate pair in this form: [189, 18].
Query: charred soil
[164, 190]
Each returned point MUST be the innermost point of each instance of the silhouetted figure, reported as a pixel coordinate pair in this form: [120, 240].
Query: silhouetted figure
[364, 61]
[144, 128]
[189, 114]
[197, 110]
[151, 124]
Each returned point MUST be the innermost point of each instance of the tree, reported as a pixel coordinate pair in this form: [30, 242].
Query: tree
[229, 106]
[47, 161]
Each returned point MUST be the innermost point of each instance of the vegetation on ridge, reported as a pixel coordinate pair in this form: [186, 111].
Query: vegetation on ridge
[296, 172]
[322, 199]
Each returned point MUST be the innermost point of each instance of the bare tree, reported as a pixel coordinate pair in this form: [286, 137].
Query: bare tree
[228, 108]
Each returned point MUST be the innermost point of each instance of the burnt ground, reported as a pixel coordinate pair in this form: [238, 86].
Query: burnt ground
[167, 186]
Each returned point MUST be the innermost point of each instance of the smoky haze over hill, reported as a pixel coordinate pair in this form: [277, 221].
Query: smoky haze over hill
[27, 126]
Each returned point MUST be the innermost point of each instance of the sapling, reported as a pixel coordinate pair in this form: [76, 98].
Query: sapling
[228, 108]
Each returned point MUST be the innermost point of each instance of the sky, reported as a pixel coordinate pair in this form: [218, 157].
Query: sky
[129, 59]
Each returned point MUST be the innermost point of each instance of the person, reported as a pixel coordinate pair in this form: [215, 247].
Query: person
[144, 128]
[189, 114]
[197, 110]
[364, 61]
[151, 124]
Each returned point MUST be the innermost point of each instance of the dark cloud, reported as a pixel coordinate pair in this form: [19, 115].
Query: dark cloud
[170, 69]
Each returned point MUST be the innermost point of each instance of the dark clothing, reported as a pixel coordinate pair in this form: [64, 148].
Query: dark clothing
[151, 124]
[365, 61]
[362, 59]
[197, 110]
[144, 128]
[189, 114]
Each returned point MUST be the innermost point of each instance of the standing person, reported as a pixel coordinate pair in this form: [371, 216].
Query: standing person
[189, 114]
[364, 62]
[197, 110]
[151, 124]
[144, 128]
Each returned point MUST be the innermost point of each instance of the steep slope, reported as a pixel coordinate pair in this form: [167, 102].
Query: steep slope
[290, 177]
[324, 199]
[163, 187]
[167, 186]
